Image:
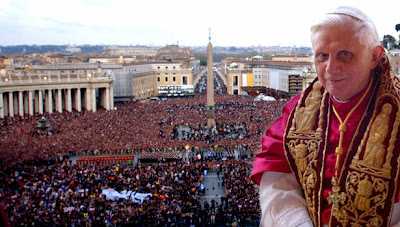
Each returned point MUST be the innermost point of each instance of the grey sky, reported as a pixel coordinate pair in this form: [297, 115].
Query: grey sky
[160, 22]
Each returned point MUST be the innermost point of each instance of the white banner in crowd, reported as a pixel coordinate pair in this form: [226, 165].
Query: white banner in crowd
[136, 197]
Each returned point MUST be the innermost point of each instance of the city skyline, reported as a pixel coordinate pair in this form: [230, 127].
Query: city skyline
[159, 23]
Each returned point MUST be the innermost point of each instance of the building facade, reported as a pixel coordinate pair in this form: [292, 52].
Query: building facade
[234, 80]
[262, 77]
[130, 51]
[140, 81]
[394, 58]
[173, 80]
[174, 52]
[112, 60]
[293, 58]
[36, 93]
[287, 78]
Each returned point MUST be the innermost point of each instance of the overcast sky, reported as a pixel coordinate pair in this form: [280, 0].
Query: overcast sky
[161, 22]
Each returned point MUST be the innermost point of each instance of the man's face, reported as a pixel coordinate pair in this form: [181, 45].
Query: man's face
[343, 65]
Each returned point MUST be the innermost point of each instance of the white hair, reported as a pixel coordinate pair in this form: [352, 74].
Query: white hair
[347, 16]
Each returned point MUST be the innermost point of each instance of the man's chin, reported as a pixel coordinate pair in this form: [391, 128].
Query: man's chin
[338, 95]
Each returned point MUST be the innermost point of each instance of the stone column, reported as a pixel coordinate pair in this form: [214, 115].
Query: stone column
[10, 104]
[68, 103]
[111, 97]
[88, 99]
[59, 101]
[1, 105]
[30, 103]
[20, 103]
[16, 105]
[40, 94]
[49, 101]
[107, 101]
[78, 98]
[93, 99]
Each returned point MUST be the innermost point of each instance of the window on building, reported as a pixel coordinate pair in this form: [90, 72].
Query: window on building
[174, 79]
[184, 80]
[235, 81]
[158, 79]
[166, 79]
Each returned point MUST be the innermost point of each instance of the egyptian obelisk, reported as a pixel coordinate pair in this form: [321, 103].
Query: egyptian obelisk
[210, 85]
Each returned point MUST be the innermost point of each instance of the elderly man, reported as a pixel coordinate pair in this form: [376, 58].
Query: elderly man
[315, 168]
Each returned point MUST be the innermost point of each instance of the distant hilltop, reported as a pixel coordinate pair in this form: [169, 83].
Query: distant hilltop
[28, 49]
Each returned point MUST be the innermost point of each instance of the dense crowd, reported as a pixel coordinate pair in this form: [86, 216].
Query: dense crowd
[156, 154]
[210, 134]
[219, 87]
[241, 197]
[63, 194]
[133, 125]
[37, 186]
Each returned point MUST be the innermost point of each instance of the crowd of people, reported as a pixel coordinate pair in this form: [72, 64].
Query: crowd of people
[219, 87]
[160, 156]
[241, 197]
[157, 155]
[210, 134]
[63, 194]
[37, 186]
[133, 126]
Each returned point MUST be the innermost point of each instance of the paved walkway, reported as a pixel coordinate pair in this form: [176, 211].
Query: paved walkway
[213, 190]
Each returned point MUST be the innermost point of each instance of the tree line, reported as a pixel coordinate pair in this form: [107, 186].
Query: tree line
[389, 42]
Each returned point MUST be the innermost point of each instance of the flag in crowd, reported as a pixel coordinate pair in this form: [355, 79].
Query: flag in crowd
[136, 197]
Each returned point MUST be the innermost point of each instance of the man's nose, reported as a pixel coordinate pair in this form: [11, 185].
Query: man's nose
[333, 65]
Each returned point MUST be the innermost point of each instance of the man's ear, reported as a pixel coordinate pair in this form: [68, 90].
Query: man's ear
[376, 56]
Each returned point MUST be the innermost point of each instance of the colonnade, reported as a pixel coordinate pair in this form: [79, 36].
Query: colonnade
[50, 100]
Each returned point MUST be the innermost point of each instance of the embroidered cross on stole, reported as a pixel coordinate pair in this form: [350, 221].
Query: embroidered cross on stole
[336, 198]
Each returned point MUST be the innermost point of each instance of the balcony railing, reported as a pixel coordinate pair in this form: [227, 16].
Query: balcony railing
[56, 77]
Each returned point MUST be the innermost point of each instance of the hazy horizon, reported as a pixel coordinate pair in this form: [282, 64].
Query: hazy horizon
[159, 23]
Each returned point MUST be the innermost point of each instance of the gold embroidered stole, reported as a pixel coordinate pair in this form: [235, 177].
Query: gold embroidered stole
[369, 174]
